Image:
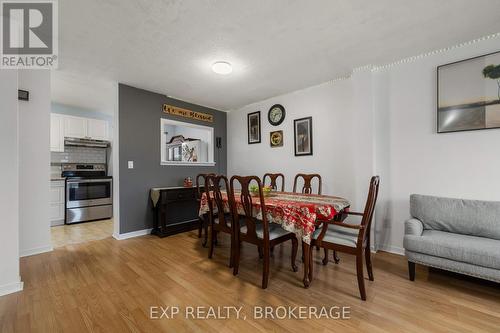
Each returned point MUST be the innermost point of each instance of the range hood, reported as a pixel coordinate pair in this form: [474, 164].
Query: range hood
[80, 142]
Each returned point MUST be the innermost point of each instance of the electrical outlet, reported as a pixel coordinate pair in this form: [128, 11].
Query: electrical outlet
[130, 164]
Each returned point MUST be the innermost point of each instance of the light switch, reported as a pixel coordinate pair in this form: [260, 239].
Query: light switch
[130, 164]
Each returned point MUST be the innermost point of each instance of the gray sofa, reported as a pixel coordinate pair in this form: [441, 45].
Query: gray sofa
[462, 236]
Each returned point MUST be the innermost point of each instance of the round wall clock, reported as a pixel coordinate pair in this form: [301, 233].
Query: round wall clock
[276, 114]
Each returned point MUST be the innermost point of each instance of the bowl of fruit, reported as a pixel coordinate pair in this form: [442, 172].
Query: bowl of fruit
[254, 190]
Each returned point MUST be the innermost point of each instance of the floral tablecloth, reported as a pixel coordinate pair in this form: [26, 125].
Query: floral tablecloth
[295, 212]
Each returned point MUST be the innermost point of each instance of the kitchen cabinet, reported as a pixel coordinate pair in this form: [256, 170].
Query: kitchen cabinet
[75, 127]
[56, 133]
[97, 129]
[62, 126]
[57, 201]
[78, 127]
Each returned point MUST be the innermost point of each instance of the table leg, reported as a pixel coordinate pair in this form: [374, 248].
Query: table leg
[306, 248]
[159, 225]
[163, 219]
[311, 265]
[155, 229]
[336, 257]
[205, 229]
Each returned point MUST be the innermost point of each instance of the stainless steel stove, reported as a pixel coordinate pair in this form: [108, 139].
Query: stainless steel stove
[89, 192]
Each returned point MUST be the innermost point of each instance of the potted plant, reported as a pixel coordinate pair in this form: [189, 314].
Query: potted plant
[493, 72]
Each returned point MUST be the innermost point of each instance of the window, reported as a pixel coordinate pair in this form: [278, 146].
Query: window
[186, 144]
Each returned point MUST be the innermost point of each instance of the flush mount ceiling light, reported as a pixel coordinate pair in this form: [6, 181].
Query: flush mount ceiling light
[222, 67]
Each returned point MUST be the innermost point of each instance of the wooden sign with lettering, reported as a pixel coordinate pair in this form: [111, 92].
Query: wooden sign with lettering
[188, 113]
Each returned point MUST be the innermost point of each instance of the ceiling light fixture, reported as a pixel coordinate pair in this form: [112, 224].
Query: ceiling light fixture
[222, 67]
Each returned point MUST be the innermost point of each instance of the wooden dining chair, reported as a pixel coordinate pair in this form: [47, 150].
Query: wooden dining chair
[307, 188]
[274, 177]
[202, 220]
[352, 237]
[219, 220]
[307, 179]
[256, 231]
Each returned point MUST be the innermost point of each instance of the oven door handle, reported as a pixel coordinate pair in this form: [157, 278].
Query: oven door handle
[77, 181]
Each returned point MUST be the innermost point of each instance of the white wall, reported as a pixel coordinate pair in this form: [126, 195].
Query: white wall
[464, 164]
[34, 163]
[115, 161]
[379, 121]
[330, 105]
[9, 200]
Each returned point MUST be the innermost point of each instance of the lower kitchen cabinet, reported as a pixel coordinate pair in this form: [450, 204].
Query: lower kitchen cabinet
[57, 200]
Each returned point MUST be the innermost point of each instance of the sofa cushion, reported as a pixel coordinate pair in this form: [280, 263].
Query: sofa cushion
[468, 217]
[469, 249]
[414, 227]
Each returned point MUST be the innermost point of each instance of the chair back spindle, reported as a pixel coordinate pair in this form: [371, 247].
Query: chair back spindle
[371, 201]
[199, 187]
[274, 181]
[208, 187]
[307, 179]
[246, 200]
[217, 181]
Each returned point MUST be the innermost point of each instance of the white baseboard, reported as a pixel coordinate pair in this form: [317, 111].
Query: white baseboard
[132, 234]
[36, 250]
[384, 247]
[391, 249]
[10, 288]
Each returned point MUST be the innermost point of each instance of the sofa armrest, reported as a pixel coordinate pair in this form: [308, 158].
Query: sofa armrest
[414, 227]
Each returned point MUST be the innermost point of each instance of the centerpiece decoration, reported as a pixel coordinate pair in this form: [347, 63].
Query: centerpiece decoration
[254, 190]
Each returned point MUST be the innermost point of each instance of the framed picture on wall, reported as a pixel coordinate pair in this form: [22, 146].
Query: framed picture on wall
[469, 94]
[253, 124]
[276, 139]
[303, 139]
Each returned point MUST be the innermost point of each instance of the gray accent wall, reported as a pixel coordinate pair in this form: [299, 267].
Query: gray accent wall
[140, 112]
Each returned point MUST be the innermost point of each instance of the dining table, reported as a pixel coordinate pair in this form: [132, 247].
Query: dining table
[299, 213]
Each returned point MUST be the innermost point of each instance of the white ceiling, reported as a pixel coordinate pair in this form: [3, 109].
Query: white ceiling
[275, 46]
[84, 91]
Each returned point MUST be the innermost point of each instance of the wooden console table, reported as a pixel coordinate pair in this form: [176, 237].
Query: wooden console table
[175, 210]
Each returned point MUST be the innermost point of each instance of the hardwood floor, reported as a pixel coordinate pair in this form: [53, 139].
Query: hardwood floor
[80, 232]
[109, 286]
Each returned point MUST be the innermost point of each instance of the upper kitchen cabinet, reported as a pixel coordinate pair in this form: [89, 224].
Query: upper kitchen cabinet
[97, 129]
[87, 128]
[56, 132]
[62, 126]
[75, 127]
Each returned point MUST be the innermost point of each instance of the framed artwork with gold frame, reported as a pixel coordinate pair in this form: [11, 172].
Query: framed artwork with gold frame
[276, 139]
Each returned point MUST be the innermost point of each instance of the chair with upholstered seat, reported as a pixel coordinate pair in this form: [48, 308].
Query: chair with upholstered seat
[219, 220]
[202, 220]
[307, 187]
[257, 231]
[352, 237]
[273, 177]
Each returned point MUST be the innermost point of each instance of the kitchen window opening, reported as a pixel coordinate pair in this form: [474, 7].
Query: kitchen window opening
[186, 144]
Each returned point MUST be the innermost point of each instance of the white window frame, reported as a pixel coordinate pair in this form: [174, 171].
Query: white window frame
[163, 143]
